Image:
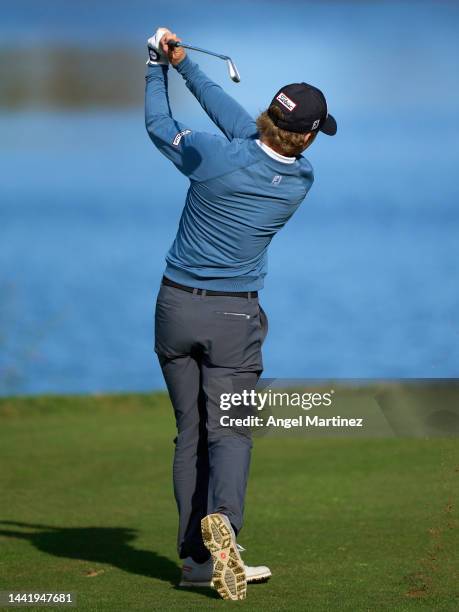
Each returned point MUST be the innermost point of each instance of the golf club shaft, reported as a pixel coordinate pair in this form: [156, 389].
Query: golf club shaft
[175, 43]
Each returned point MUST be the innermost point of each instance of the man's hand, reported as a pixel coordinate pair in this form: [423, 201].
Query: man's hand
[174, 54]
[156, 55]
[159, 51]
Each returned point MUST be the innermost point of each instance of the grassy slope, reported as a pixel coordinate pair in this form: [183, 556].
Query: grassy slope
[87, 506]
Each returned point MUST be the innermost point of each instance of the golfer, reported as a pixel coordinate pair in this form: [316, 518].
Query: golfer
[209, 325]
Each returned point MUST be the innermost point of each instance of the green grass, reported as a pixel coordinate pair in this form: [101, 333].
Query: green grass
[345, 524]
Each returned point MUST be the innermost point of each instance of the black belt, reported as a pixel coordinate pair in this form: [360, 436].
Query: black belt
[244, 294]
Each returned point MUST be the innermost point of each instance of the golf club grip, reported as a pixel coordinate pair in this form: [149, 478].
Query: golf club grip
[173, 43]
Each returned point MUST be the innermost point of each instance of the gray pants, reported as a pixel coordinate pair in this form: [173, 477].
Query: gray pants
[208, 345]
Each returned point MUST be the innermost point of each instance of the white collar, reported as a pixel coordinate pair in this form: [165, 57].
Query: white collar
[274, 154]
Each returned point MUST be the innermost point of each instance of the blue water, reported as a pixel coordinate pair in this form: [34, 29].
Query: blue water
[363, 282]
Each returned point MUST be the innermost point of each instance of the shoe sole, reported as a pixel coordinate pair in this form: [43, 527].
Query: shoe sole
[228, 576]
[259, 579]
[190, 584]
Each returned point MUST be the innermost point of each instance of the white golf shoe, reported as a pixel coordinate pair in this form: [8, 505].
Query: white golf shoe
[197, 574]
[200, 574]
[228, 574]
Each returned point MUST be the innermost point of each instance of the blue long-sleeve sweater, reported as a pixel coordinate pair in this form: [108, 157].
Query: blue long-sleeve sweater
[241, 192]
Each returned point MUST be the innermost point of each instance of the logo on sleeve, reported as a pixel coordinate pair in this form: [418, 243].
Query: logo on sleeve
[178, 137]
[276, 180]
[285, 101]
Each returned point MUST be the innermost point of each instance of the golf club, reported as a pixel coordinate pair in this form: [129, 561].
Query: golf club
[233, 71]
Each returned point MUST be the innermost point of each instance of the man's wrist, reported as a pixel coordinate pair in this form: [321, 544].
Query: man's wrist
[180, 61]
[183, 64]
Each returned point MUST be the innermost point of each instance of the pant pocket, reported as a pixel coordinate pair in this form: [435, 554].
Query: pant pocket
[232, 315]
[234, 339]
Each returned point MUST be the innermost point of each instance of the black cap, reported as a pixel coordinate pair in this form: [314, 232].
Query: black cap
[303, 109]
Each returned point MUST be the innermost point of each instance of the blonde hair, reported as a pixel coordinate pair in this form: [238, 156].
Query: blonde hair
[290, 144]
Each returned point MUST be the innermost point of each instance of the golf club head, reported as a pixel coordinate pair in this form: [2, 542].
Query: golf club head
[233, 71]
